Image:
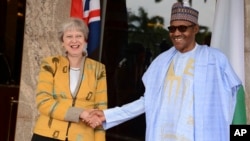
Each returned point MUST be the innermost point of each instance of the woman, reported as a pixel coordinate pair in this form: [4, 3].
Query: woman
[67, 87]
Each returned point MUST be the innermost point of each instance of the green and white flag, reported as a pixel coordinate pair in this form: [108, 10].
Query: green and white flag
[228, 36]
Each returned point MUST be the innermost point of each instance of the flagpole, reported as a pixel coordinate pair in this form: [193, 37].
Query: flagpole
[104, 5]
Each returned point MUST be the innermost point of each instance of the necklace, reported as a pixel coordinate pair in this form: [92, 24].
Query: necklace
[74, 69]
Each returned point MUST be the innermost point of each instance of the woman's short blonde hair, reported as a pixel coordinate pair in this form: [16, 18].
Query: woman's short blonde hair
[76, 24]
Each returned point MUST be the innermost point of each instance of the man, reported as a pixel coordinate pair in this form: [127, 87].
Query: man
[190, 90]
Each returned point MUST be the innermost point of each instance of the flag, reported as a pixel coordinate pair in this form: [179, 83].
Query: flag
[89, 11]
[228, 36]
[240, 109]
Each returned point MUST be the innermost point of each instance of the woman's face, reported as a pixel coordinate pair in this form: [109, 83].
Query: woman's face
[183, 37]
[74, 42]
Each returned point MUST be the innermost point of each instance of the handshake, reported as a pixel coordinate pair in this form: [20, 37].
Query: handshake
[93, 117]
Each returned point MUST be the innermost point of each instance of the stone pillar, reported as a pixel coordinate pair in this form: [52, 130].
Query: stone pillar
[40, 40]
[247, 57]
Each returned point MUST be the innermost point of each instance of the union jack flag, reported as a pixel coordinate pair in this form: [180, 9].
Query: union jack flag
[89, 11]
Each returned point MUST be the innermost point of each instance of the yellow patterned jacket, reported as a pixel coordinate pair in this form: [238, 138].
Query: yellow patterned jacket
[58, 110]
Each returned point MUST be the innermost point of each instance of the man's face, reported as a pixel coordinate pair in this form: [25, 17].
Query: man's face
[182, 34]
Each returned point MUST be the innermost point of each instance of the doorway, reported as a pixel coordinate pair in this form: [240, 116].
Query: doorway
[12, 17]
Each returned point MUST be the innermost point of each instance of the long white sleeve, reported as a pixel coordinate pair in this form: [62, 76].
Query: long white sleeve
[117, 115]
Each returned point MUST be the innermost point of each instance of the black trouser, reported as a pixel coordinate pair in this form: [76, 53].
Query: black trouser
[36, 137]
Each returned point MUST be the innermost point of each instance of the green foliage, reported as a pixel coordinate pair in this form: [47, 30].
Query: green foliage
[148, 31]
